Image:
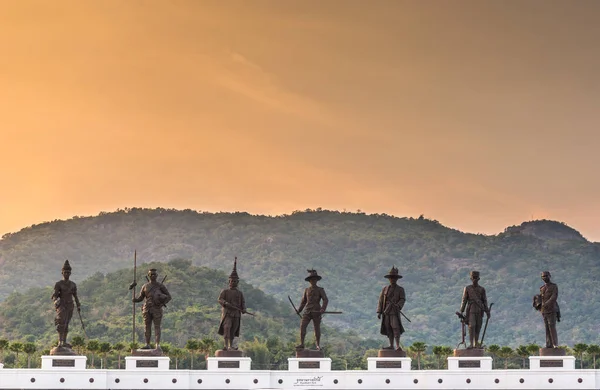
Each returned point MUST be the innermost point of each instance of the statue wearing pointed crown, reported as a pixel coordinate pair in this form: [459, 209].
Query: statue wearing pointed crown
[233, 306]
[65, 298]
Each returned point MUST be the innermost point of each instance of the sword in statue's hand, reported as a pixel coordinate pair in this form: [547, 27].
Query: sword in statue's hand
[294, 306]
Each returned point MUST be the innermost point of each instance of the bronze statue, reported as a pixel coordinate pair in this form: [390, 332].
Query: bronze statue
[391, 302]
[233, 306]
[474, 301]
[311, 301]
[65, 293]
[155, 296]
[546, 303]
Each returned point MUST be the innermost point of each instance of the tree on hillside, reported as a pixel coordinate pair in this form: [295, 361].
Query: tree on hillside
[418, 348]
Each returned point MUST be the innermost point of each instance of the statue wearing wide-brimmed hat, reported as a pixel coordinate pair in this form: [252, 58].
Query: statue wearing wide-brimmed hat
[65, 298]
[474, 301]
[391, 301]
[313, 308]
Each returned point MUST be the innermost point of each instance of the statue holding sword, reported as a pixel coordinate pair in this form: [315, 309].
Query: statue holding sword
[155, 296]
[233, 306]
[389, 308]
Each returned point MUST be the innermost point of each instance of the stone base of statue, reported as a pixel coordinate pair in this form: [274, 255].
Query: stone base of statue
[147, 352]
[309, 353]
[468, 352]
[228, 360]
[309, 364]
[469, 363]
[62, 351]
[552, 359]
[552, 352]
[147, 362]
[63, 362]
[230, 353]
[391, 353]
[389, 363]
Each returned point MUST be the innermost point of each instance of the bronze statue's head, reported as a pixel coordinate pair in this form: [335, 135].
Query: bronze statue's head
[546, 276]
[234, 279]
[474, 275]
[66, 270]
[312, 275]
[152, 274]
[393, 274]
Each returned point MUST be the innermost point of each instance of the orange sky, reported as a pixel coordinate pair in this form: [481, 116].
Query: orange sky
[478, 114]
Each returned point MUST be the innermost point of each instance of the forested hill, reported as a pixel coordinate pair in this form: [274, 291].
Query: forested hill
[352, 251]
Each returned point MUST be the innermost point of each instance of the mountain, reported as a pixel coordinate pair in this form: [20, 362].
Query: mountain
[353, 251]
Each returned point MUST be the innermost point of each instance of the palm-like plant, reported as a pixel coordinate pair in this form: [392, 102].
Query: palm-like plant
[418, 348]
[206, 346]
[29, 349]
[93, 346]
[533, 349]
[523, 353]
[506, 353]
[437, 352]
[104, 349]
[446, 351]
[579, 350]
[119, 348]
[493, 350]
[16, 347]
[177, 353]
[191, 346]
[78, 343]
[593, 349]
[3, 346]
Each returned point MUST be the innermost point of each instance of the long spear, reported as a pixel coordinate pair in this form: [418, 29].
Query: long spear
[132, 288]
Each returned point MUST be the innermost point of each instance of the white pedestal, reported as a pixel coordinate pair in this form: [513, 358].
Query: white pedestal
[469, 363]
[63, 362]
[309, 364]
[228, 363]
[384, 364]
[552, 363]
[1, 365]
[147, 362]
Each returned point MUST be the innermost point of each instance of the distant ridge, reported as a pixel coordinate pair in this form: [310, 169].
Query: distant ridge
[351, 250]
[546, 230]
